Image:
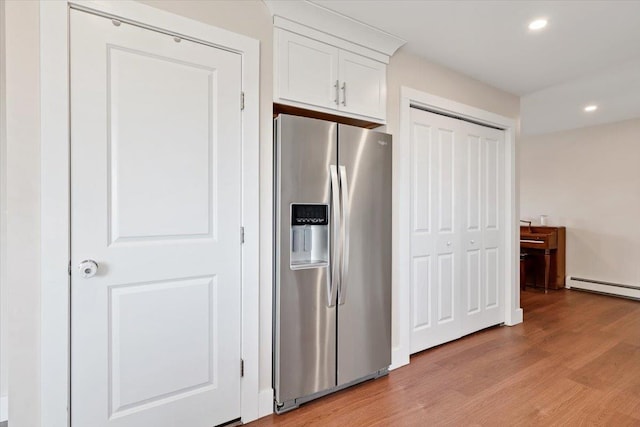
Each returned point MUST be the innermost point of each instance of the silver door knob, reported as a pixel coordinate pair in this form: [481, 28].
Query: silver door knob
[473, 241]
[448, 243]
[88, 268]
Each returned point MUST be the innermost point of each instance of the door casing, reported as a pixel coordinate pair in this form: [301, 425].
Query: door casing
[401, 335]
[55, 197]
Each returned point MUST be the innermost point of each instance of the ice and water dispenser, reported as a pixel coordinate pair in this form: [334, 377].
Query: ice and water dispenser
[309, 236]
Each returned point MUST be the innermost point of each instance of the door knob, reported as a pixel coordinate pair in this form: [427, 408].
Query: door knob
[88, 268]
[473, 241]
[448, 243]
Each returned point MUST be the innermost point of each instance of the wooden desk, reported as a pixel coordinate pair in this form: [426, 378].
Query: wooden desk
[548, 243]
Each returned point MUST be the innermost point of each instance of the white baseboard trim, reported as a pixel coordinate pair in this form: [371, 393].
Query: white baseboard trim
[265, 405]
[4, 408]
[399, 358]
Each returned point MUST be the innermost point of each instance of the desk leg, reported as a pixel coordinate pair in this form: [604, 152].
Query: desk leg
[547, 268]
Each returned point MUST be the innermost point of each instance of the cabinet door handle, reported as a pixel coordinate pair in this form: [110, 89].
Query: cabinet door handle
[344, 94]
[337, 86]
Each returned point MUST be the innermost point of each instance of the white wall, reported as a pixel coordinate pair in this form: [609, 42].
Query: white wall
[251, 18]
[589, 181]
[3, 299]
[406, 69]
[23, 211]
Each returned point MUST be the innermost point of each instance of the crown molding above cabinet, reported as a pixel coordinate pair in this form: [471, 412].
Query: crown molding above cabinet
[332, 23]
[327, 62]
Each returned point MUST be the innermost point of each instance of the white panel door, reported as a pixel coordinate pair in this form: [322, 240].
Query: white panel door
[362, 85]
[457, 228]
[482, 226]
[435, 231]
[155, 201]
[307, 71]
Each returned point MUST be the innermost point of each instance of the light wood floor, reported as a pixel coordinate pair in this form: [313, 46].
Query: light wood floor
[574, 361]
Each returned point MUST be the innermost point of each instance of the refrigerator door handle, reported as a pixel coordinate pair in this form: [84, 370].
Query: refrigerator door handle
[342, 293]
[334, 280]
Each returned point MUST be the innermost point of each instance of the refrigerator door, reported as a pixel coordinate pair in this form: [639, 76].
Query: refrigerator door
[364, 296]
[305, 323]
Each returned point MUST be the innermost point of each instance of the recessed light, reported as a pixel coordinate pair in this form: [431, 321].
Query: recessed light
[590, 108]
[538, 24]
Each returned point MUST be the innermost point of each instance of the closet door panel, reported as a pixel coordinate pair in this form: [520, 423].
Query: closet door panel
[494, 229]
[483, 230]
[471, 239]
[435, 273]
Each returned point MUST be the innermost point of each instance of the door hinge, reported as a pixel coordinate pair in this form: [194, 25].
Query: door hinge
[241, 367]
[241, 100]
[69, 268]
[242, 235]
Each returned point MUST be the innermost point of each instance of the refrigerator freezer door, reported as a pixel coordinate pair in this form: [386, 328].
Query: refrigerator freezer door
[305, 324]
[364, 318]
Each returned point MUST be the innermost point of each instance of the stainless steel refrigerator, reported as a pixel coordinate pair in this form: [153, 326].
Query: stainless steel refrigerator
[332, 268]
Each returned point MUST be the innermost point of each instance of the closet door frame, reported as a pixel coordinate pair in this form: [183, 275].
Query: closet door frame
[409, 98]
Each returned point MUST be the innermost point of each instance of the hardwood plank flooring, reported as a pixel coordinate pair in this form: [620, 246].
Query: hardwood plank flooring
[574, 361]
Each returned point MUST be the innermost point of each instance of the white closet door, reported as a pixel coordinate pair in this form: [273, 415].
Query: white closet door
[482, 226]
[435, 230]
[457, 231]
[155, 202]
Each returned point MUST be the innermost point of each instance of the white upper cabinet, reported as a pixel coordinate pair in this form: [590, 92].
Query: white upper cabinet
[326, 62]
[317, 75]
[307, 71]
[363, 85]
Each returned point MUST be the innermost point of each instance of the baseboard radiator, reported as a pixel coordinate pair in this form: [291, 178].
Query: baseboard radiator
[600, 287]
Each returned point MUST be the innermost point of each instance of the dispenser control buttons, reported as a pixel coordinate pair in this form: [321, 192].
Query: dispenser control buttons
[305, 214]
[313, 221]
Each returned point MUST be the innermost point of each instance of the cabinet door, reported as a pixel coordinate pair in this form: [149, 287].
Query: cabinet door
[307, 71]
[363, 88]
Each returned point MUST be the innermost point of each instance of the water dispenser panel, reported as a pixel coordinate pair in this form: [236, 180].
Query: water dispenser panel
[309, 236]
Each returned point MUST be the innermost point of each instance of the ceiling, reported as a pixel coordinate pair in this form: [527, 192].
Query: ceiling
[588, 53]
